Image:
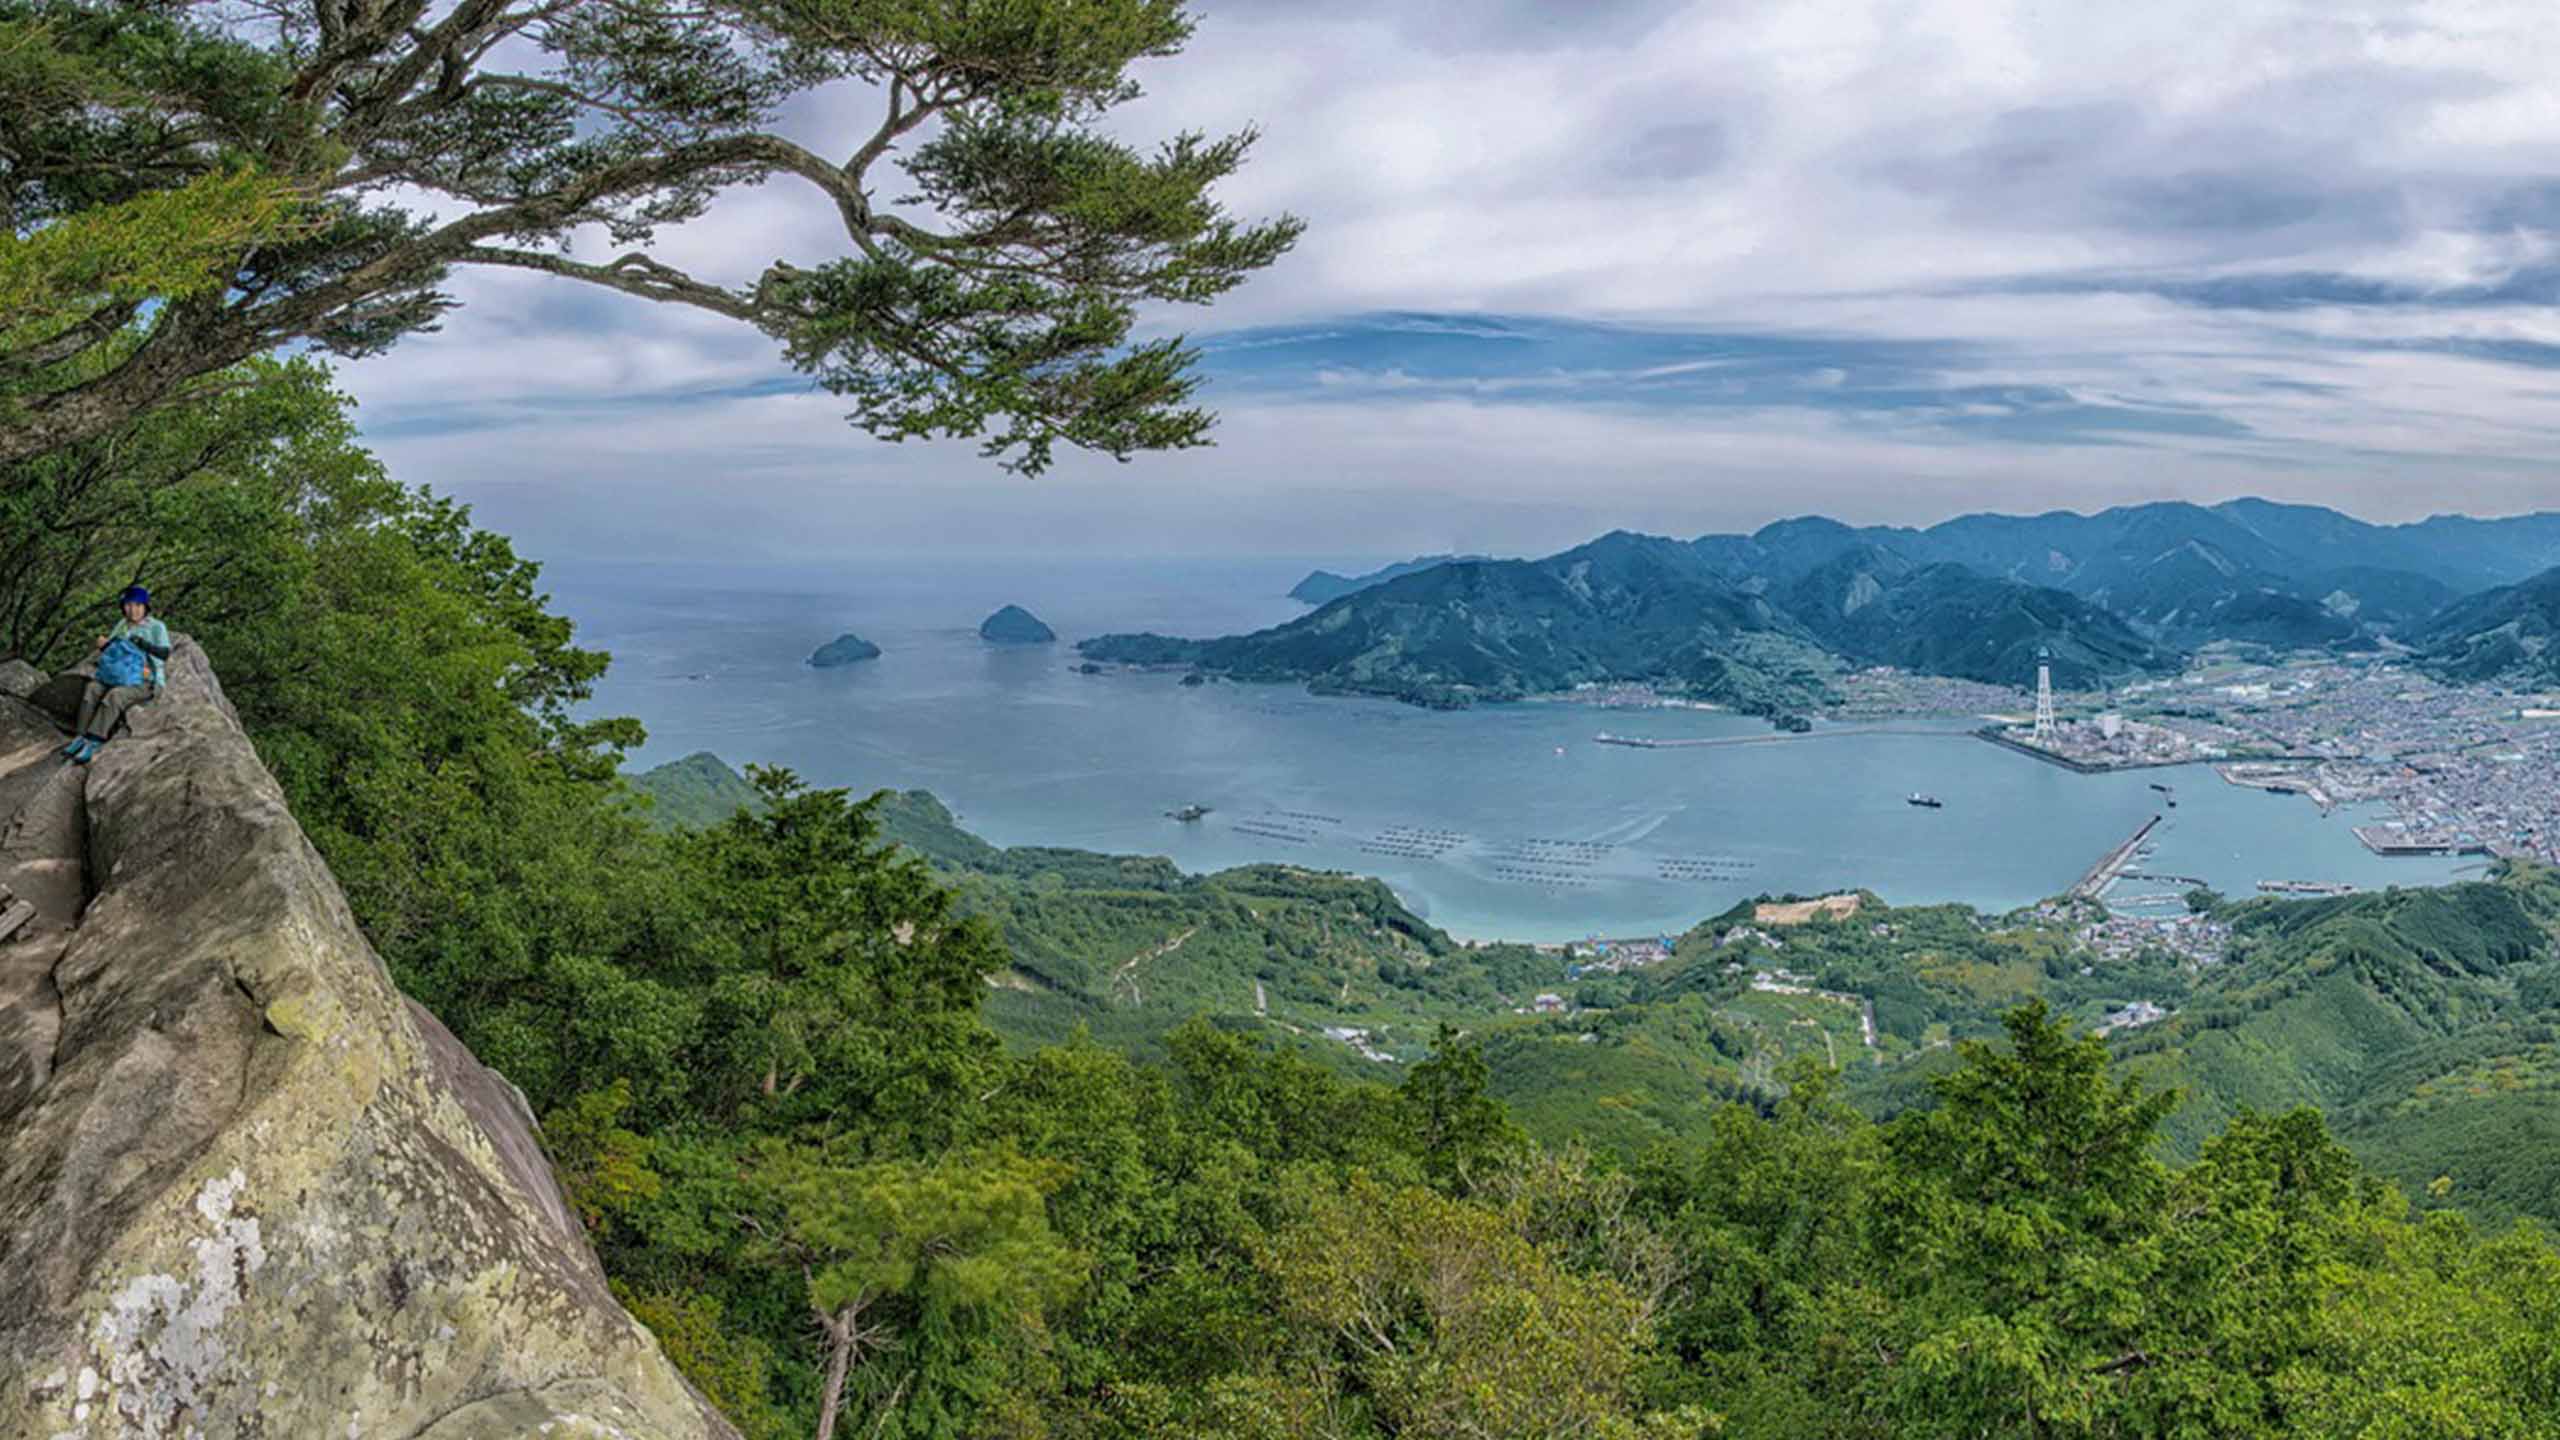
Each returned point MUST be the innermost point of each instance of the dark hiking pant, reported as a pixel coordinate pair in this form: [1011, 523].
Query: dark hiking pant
[102, 707]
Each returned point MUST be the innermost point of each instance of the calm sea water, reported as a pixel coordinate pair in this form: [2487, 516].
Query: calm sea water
[1504, 821]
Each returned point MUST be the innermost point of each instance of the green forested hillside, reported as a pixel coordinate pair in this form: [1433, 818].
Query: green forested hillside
[1757, 620]
[2417, 1019]
[2508, 636]
[2422, 1021]
[1128, 947]
[697, 790]
[1624, 607]
[1876, 608]
[1640, 608]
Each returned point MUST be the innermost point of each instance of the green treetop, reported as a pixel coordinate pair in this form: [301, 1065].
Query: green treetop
[269, 137]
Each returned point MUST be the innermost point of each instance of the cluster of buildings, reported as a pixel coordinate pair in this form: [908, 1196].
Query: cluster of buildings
[1630, 695]
[1359, 1040]
[2454, 765]
[2457, 767]
[1881, 691]
[2196, 939]
[2139, 1013]
[2111, 741]
[1609, 957]
[1745, 934]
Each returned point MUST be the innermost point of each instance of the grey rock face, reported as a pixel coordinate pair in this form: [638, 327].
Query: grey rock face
[246, 1188]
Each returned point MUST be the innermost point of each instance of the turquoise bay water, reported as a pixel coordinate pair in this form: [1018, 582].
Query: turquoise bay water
[1504, 821]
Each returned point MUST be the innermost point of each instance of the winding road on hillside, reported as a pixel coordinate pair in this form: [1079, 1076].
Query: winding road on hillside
[1127, 974]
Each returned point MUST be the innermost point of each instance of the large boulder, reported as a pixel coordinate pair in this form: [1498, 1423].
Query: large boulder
[248, 1189]
[18, 678]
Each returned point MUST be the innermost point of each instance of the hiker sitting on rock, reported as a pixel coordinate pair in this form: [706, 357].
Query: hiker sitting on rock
[130, 658]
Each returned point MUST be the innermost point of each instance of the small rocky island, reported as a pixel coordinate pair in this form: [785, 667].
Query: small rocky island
[1014, 625]
[845, 649]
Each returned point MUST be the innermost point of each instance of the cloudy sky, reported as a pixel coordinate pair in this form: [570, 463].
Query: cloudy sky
[1669, 267]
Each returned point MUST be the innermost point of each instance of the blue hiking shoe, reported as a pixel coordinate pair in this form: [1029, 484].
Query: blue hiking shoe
[87, 752]
[73, 747]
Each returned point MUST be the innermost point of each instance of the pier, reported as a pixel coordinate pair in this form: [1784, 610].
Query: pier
[2384, 840]
[2107, 871]
[2275, 780]
[2192, 882]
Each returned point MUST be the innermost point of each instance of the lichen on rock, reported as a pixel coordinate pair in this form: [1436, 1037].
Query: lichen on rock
[247, 1188]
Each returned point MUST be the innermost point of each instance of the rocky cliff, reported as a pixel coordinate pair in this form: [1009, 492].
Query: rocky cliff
[246, 1188]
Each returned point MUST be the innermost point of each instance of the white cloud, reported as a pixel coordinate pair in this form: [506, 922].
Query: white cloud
[1864, 169]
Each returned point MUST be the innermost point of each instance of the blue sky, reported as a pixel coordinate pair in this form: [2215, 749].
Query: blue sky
[1667, 267]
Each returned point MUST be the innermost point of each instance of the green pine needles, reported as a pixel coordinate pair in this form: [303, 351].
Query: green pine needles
[187, 187]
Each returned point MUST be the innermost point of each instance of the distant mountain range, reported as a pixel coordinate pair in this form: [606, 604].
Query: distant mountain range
[1323, 586]
[1758, 620]
[2510, 635]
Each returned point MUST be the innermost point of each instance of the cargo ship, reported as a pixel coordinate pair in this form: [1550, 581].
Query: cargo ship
[1929, 802]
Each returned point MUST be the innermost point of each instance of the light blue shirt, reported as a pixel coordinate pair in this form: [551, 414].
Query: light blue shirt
[150, 631]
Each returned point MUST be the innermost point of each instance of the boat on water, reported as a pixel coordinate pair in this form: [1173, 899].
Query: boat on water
[1928, 802]
[2156, 785]
[1189, 812]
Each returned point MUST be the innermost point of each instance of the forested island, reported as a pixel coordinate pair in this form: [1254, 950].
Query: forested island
[845, 649]
[1014, 625]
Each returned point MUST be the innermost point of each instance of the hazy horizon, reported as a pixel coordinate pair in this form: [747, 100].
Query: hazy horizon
[1336, 558]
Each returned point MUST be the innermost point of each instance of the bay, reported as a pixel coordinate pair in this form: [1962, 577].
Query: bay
[1503, 821]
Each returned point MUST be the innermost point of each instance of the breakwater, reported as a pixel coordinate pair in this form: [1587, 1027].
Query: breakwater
[2106, 871]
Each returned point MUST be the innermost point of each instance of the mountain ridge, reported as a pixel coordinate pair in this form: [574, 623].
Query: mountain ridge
[1753, 620]
[2510, 635]
[1645, 608]
[1324, 586]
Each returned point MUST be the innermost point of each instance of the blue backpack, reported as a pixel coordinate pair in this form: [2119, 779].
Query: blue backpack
[120, 663]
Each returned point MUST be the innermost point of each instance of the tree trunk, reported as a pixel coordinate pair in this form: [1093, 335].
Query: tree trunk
[840, 1328]
[188, 340]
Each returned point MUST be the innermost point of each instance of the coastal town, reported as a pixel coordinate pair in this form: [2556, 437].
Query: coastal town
[2440, 769]
[2450, 769]
[2428, 768]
